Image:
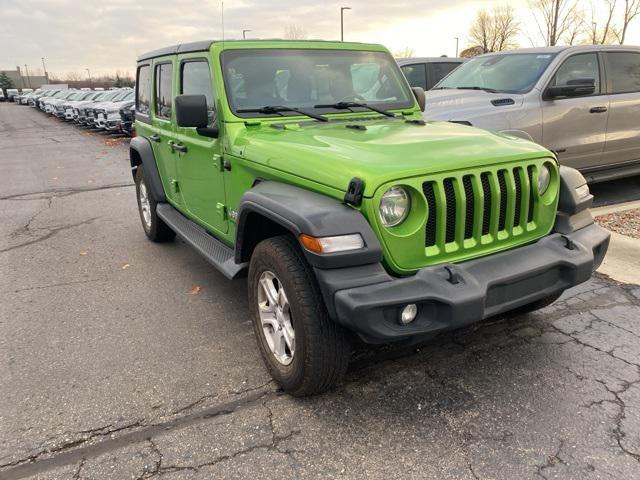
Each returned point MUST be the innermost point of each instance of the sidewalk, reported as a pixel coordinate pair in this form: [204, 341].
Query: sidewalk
[622, 262]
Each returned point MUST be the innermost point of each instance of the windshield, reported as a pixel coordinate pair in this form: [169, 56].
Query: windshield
[304, 78]
[504, 73]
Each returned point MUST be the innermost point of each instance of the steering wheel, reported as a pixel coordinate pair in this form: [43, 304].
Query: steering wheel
[351, 98]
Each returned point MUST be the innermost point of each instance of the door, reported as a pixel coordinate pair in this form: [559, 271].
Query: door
[199, 159]
[623, 131]
[575, 128]
[162, 132]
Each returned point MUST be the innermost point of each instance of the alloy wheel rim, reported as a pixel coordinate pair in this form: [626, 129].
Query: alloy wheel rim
[145, 206]
[275, 318]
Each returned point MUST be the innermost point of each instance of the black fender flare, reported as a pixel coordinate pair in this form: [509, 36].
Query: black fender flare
[140, 151]
[302, 211]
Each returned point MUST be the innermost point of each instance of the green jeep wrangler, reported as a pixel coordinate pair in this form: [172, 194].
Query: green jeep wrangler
[307, 167]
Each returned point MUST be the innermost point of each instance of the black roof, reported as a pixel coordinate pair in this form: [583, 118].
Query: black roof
[200, 46]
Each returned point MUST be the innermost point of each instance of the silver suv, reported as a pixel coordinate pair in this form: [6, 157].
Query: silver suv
[581, 102]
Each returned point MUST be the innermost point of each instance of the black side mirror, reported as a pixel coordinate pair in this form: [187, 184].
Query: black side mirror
[191, 111]
[418, 92]
[573, 88]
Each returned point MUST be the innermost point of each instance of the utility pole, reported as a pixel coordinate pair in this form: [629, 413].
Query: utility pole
[89, 74]
[244, 34]
[342, 9]
[26, 69]
[457, 43]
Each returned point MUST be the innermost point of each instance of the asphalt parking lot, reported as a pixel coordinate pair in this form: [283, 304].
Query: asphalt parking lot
[123, 359]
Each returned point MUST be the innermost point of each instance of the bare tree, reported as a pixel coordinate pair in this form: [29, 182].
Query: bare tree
[295, 32]
[406, 52]
[631, 11]
[556, 18]
[73, 76]
[496, 30]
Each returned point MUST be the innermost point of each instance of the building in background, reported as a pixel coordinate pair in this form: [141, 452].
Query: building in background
[21, 80]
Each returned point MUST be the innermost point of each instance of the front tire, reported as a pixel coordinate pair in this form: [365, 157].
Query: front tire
[305, 351]
[153, 226]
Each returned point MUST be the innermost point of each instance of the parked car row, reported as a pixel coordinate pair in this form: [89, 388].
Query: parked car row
[109, 110]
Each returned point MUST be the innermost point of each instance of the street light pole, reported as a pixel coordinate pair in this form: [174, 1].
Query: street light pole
[457, 42]
[244, 33]
[342, 9]
[44, 67]
[89, 74]
[26, 69]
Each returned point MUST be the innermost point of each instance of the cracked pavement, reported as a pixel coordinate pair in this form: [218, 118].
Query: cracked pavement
[109, 371]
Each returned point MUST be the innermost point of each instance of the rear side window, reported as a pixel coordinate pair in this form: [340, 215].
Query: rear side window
[577, 69]
[624, 71]
[164, 75]
[195, 79]
[416, 74]
[143, 88]
[437, 71]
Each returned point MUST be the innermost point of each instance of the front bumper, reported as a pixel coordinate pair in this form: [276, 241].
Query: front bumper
[451, 296]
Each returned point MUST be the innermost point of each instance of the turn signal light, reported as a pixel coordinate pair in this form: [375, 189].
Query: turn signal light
[339, 243]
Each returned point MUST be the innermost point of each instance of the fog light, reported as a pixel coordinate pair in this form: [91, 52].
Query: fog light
[408, 314]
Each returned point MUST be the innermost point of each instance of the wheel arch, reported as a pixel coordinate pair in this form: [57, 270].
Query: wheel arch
[273, 208]
[141, 153]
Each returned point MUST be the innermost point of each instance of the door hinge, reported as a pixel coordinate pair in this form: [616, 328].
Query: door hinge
[217, 161]
[175, 185]
[221, 208]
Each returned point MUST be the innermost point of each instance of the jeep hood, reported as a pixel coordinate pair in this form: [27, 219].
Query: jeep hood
[454, 104]
[377, 151]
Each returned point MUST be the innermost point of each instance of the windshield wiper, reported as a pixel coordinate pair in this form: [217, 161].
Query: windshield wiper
[485, 89]
[267, 109]
[350, 105]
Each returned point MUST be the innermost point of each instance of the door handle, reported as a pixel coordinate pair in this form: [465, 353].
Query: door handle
[155, 138]
[179, 147]
[598, 110]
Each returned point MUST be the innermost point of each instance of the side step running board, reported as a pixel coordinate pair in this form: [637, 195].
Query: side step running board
[212, 249]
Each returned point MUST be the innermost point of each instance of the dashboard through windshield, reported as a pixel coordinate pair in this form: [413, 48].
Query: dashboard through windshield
[311, 79]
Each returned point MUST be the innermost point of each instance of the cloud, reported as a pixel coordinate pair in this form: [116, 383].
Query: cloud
[106, 36]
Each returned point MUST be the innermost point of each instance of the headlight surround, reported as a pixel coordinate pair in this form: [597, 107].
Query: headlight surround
[395, 204]
[544, 179]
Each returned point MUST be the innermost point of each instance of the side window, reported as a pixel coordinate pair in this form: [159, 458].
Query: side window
[195, 79]
[624, 71]
[164, 76]
[143, 89]
[416, 74]
[439, 70]
[578, 68]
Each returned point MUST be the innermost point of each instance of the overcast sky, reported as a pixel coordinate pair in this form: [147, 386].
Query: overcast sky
[107, 35]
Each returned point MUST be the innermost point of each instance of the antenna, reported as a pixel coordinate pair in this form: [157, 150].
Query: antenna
[222, 20]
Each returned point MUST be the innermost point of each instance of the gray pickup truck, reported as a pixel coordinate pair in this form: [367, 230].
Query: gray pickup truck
[581, 102]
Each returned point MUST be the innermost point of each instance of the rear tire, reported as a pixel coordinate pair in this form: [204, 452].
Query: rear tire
[153, 226]
[314, 351]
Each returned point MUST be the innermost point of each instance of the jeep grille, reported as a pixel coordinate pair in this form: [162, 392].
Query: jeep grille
[479, 208]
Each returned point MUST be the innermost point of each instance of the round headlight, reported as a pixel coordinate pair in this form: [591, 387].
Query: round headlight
[544, 178]
[394, 206]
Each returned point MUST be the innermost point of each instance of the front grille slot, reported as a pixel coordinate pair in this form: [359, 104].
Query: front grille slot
[518, 207]
[486, 208]
[530, 170]
[502, 182]
[471, 205]
[450, 197]
[430, 195]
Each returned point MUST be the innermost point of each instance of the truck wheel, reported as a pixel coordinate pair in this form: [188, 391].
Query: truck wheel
[304, 350]
[153, 226]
